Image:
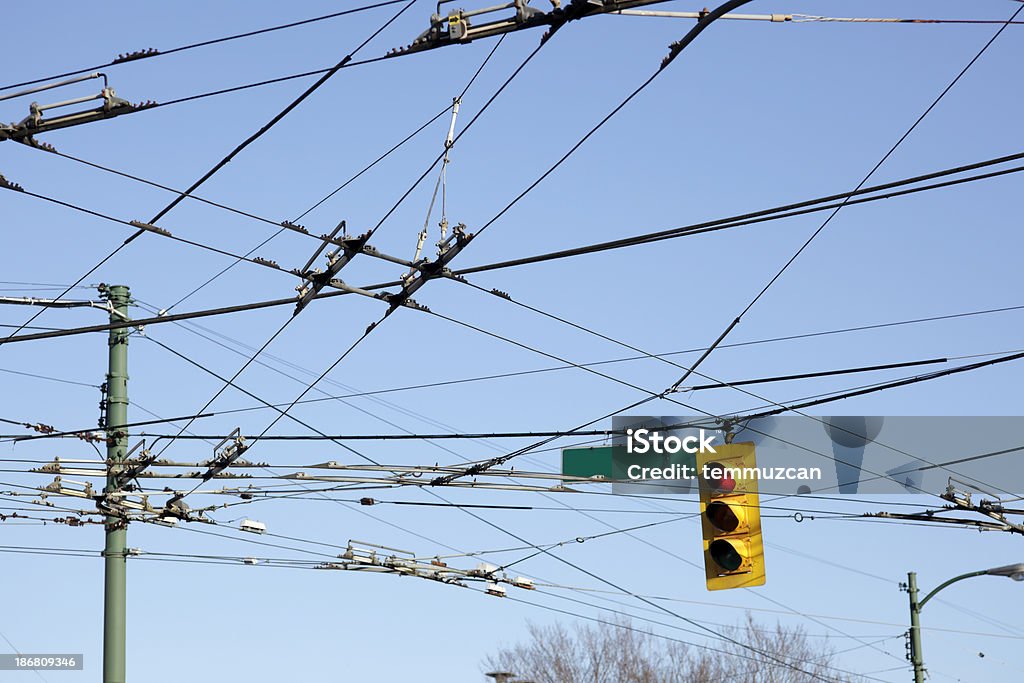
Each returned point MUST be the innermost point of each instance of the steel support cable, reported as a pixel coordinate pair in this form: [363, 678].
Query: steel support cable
[674, 50]
[283, 413]
[360, 394]
[345, 184]
[662, 608]
[366, 333]
[370, 328]
[143, 54]
[47, 377]
[914, 321]
[679, 232]
[226, 207]
[717, 383]
[812, 18]
[292, 563]
[162, 233]
[458, 137]
[766, 215]
[523, 541]
[326, 396]
[722, 336]
[431, 492]
[223, 162]
[788, 609]
[227, 159]
[603, 433]
[481, 467]
[370, 234]
[725, 333]
[234, 385]
[891, 385]
[762, 216]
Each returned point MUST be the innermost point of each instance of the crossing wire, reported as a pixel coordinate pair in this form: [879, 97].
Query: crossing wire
[835, 211]
[143, 54]
[764, 215]
[345, 184]
[650, 237]
[781, 408]
[223, 162]
[807, 335]
[374, 325]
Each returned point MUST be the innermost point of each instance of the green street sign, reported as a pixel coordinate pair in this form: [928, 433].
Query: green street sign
[613, 462]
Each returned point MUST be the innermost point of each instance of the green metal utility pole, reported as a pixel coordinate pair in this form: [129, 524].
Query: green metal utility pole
[1012, 571]
[916, 658]
[116, 528]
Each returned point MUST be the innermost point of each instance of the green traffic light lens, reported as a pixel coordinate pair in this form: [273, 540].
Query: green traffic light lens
[725, 555]
[722, 516]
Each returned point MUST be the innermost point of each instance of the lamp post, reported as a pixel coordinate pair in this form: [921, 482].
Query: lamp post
[1013, 571]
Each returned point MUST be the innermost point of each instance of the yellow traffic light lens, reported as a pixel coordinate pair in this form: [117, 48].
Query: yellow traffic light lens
[723, 516]
[725, 555]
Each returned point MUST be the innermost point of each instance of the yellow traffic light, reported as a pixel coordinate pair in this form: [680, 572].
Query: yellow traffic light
[730, 517]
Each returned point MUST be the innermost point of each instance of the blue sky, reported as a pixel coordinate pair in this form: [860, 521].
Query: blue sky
[752, 115]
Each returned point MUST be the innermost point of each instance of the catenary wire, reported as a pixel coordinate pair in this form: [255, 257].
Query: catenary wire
[135, 56]
[504, 264]
[729, 328]
[224, 161]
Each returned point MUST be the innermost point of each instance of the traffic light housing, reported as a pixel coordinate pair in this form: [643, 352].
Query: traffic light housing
[730, 517]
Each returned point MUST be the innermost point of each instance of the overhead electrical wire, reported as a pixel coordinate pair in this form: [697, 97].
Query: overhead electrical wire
[481, 467]
[149, 54]
[764, 215]
[757, 297]
[676, 48]
[224, 161]
[640, 239]
[225, 207]
[806, 335]
[228, 158]
[372, 326]
[560, 501]
[690, 370]
[345, 184]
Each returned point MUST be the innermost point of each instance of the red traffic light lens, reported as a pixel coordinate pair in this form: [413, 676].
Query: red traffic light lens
[722, 516]
[716, 479]
[725, 555]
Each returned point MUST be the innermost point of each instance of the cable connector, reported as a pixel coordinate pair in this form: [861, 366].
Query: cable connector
[137, 54]
[294, 226]
[5, 183]
[32, 142]
[266, 262]
[149, 227]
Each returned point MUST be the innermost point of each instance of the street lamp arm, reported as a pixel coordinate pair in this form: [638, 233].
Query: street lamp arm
[969, 575]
